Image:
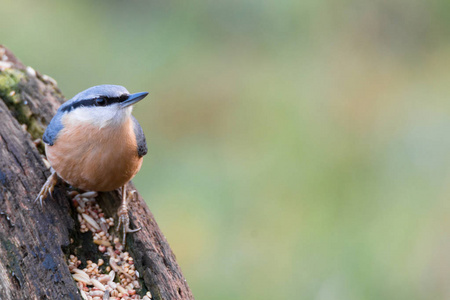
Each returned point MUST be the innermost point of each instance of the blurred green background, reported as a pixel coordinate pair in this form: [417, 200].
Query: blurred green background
[298, 149]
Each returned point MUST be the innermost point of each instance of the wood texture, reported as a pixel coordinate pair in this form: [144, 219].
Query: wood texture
[35, 241]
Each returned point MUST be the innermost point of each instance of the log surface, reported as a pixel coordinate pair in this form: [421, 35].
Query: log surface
[35, 242]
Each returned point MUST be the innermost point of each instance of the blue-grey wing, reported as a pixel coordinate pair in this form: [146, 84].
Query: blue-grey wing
[140, 138]
[53, 129]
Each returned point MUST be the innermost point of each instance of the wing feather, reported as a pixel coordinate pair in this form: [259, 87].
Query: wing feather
[140, 138]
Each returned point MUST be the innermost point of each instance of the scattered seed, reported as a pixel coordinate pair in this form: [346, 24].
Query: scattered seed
[89, 194]
[106, 295]
[104, 278]
[30, 71]
[102, 242]
[92, 281]
[112, 284]
[48, 79]
[98, 284]
[96, 293]
[81, 272]
[83, 295]
[91, 221]
[121, 289]
[81, 278]
[5, 65]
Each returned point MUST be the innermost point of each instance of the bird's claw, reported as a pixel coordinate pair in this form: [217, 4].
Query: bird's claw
[47, 188]
[124, 219]
[124, 222]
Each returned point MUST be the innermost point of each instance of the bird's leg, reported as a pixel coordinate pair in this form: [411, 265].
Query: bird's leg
[48, 187]
[124, 219]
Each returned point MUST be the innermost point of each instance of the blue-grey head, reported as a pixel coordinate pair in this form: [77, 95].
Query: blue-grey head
[102, 105]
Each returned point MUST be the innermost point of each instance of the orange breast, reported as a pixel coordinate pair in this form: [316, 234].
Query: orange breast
[95, 159]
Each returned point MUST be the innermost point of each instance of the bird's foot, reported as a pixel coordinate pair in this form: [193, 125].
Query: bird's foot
[124, 219]
[47, 188]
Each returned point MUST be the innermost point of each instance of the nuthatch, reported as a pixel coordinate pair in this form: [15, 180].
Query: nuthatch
[95, 144]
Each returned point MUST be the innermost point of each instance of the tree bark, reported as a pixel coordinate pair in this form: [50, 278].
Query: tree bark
[35, 242]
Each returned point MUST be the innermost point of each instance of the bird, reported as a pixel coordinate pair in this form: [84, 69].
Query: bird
[95, 144]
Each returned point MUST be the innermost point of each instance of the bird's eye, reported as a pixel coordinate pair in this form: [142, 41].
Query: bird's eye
[100, 101]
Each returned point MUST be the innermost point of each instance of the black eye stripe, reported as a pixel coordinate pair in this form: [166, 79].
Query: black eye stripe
[122, 97]
[100, 101]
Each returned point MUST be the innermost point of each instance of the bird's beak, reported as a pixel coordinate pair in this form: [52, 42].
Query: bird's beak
[132, 99]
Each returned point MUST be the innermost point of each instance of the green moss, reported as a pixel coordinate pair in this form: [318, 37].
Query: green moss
[10, 93]
[9, 80]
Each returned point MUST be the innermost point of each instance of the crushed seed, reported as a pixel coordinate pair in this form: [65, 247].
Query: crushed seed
[30, 71]
[5, 65]
[118, 278]
[50, 80]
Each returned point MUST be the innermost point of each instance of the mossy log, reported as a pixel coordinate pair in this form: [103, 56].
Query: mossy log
[35, 242]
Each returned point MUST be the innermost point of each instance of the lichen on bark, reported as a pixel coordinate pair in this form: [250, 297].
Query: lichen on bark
[10, 93]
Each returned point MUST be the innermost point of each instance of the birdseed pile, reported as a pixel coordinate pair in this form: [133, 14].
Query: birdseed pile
[119, 279]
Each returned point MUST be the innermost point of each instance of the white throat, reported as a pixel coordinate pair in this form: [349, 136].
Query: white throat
[100, 116]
